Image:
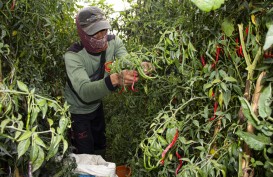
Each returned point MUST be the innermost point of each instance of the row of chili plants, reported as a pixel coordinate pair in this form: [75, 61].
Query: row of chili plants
[201, 128]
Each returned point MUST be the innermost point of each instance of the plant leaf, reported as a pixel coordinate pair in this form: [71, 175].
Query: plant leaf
[265, 101]
[249, 114]
[34, 152]
[22, 86]
[25, 135]
[255, 142]
[269, 38]
[227, 27]
[4, 124]
[23, 147]
[208, 5]
[230, 79]
[39, 160]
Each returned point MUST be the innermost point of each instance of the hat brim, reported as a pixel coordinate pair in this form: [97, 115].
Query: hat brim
[96, 27]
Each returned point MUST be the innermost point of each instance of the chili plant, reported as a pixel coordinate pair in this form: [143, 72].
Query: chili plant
[36, 125]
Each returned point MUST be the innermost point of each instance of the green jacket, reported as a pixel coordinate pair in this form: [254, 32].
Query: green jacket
[79, 66]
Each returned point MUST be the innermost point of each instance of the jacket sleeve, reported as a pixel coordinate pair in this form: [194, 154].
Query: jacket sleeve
[88, 91]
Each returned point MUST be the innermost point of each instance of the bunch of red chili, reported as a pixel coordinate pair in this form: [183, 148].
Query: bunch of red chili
[218, 51]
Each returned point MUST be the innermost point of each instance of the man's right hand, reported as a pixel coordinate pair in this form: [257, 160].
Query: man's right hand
[126, 77]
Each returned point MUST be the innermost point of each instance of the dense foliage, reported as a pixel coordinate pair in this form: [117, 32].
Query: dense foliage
[207, 68]
[33, 115]
[205, 110]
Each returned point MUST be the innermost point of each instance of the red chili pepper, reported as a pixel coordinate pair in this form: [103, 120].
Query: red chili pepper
[246, 30]
[203, 60]
[169, 147]
[107, 68]
[215, 106]
[132, 86]
[241, 51]
[121, 90]
[218, 50]
[180, 163]
[268, 55]
[13, 5]
[239, 48]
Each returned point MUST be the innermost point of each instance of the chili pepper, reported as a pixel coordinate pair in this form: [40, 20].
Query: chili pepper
[180, 163]
[121, 90]
[148, 166]
[132, 86]
[246, 30]
[268, 55]
[13, 5]
[202, 58]
[218, 50]
[169, 147]
[142, 73]
[241, 51]
[107, 67]
[215, 106]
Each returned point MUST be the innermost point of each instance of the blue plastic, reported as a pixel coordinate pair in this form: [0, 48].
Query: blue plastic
[86, 176]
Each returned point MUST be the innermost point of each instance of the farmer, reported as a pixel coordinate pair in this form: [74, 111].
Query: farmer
[88, 82]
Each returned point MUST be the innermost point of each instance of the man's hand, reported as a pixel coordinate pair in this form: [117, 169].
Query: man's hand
[126, 77]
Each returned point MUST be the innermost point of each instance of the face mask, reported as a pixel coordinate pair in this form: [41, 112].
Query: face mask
[90, 43]
[98, 45]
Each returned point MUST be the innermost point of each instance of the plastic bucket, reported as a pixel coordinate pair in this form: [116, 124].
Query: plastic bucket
[123, 171]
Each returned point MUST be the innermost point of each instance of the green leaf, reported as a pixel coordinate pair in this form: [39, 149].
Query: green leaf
[237, 89]
[41, 102]
[50, 122]
[230, 79]
[3, 149]
[249, 114]
[65, 145]
[206, 86]
[227, 97]
[25, 135]
[269, 38]
[23, 147]
[62, 124]
[227, 27]
[216, 81]
[196, 123]
[223, 86]
[4, 124]
[34, 114]
[208, 5]
[39, 160]
[255, 142]
[52, 151]
[34, 152]
[22, 86]
[170, 134]
[39, 141]
[265, 101]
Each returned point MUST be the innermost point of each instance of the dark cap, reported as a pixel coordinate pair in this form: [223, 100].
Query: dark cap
[92, 20]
